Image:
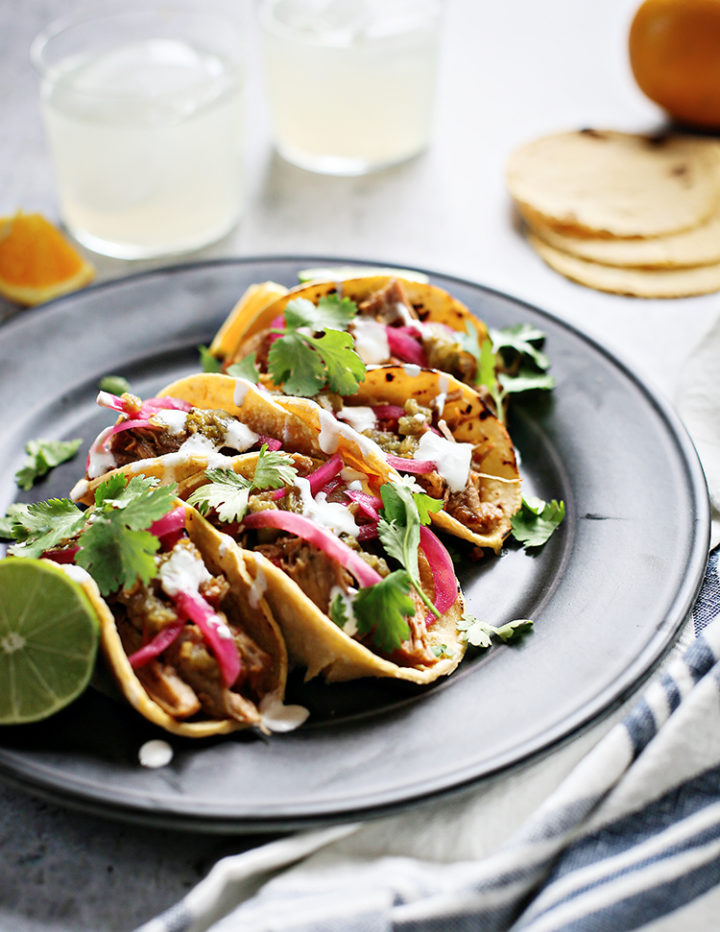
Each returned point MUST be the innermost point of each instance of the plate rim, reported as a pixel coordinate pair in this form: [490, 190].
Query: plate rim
[570, 725]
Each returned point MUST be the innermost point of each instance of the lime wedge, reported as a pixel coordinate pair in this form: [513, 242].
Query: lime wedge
[48, 640]
[339, 273]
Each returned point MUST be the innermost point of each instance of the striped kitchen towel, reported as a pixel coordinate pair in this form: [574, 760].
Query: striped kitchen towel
[629, 839]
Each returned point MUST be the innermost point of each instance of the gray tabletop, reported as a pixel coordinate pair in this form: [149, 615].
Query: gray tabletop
[510, 71]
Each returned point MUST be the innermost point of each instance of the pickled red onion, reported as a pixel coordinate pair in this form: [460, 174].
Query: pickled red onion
[162, 640]
[170, 523]
[323, 474]
[404, 346]
[408, 465]
[146, 409]
[61, 554]
[271, 443]
[202, 613]
[442, 569]
[368, 504]
[388, 412]
[324, 540]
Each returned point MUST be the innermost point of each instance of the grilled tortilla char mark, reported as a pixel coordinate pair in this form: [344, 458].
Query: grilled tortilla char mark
[442, 350]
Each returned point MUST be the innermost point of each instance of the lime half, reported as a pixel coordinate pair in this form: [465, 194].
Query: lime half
[48, 640]
[345, 272]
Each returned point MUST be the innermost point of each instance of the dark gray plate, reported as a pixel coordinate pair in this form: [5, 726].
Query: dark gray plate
[607, 593]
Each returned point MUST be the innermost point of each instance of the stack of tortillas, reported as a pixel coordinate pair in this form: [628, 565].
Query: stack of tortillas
[630, 214]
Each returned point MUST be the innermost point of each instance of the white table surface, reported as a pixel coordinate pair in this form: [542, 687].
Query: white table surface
[510, 71]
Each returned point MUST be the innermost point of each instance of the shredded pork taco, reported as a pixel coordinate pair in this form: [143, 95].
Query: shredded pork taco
[357, 582]
[437, 429]
[186, 632]
[200, 422]
[392, 320]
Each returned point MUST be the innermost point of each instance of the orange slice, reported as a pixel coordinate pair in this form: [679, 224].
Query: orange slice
[37, 262]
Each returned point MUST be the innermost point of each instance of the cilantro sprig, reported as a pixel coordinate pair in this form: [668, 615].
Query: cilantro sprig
[382, 608]
[228, 493]
[480, 633]
[537, 520]
[208, 362]
[305, 363]
[245, 369]
[116, 547]
[42, 456]
[517, 352]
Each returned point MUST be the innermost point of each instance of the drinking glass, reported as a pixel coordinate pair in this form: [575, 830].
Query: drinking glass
[351, 83]
[143, 113]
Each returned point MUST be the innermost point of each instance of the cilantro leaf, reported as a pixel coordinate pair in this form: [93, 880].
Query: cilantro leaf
[426, 505]
[536, 521]
[116, 556]
[381, 610]
[523, 339]
[338, 611]
[295, 364]
[399, 532]
[228, 493]
[115, 384]
[245, 369]
[42, 456]
[330, 313]
[480, 633]
[141, 501]
[42, 526]
[345, 369]
[525, 381]
[470, 341]
[274, 469]
[110, 490]
[6, 526]
[304, 363]
[487, 376]
[208, 362]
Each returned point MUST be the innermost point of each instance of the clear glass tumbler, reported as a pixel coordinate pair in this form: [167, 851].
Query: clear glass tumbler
[143, 113]
[351, 83]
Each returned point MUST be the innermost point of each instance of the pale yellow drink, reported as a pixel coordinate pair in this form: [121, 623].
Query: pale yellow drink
[146, 140]
[350, 83]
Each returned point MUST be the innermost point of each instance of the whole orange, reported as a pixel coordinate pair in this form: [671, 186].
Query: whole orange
[675, 57]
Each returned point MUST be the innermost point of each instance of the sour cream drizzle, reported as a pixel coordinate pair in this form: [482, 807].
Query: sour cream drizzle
[276, 716]
[371, 341]
[359, 417]
[452, 460]
[332, 515]
[155, 753]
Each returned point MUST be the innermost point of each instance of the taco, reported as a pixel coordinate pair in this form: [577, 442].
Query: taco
[315, 541]
[201, 422]
[194, 649]
[432, 426]
[397, 321]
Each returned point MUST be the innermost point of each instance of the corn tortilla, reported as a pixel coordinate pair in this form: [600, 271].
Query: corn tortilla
[605, 183]
[638, 283]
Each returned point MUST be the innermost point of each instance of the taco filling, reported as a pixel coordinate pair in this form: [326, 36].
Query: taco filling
[325, 531]
[416, 440]
[192, 644]
[161, 426]
[183, 640]
[386, 328]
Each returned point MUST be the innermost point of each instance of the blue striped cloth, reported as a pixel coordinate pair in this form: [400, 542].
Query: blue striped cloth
[630, 839]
